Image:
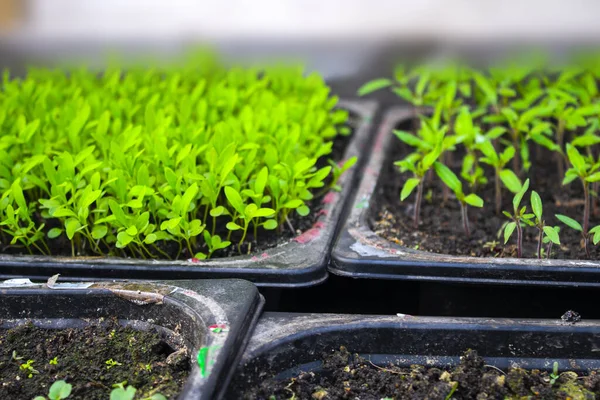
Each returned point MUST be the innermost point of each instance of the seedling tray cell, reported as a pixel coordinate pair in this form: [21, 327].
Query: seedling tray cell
[284, 345]
[191, 308]
[299, 262]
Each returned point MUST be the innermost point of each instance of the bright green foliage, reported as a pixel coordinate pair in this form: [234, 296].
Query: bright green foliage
[519, 215]
[120, 392]
[124, 162]
[570, 222]
[451, 180]
[545, 232]
[499, 119]
[429, 143]
[58, 391]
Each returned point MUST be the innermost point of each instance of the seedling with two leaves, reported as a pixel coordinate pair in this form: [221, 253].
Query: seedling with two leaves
[586, 170]
[451, 180]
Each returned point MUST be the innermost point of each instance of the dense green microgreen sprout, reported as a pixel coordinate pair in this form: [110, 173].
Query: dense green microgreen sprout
[494, 121]
[161, 163]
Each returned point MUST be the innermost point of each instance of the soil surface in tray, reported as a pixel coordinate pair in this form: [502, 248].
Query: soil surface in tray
[346, 376]
[441, 228]
[91, 359]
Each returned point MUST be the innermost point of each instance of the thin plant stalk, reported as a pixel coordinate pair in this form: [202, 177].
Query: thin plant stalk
[465, 218]
[516, 165]
[498, 189]
[539, 245]
[595, 210]
[560, 134]
[549, 249]
[519, 239]
[586, 216]
[445, 188]
[418, 204]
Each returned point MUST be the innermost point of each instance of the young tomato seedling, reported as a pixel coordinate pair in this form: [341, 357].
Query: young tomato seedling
[58, 391]
[550, 232]
[451, 180]
[518, 215]
[586, 170]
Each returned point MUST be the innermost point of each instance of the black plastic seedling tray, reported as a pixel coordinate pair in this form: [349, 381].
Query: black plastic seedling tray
[284, 345]
[193, 308]
[300, 262]
[361, 253]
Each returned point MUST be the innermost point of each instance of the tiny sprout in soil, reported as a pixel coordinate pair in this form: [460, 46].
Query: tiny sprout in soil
[484, 132]
[59, 390]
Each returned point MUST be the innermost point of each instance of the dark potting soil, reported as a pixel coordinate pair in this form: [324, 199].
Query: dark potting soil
[83, 357]
[347, 376]
[441, 228]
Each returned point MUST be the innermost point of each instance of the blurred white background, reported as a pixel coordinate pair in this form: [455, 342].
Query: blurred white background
[306, 19]
[342, 39]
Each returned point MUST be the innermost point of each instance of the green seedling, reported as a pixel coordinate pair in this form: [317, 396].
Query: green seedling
[58, 391]
[419, 165]
[111, 363]
[518, 216]
[554, 375]
[451, 180]
[549, 242]
[468, 135]
[523, 126]
[53, 361]
[498, 161]
[429, 144]
[549, 232]
[28, 368]
[338, 171]
[247, 213]
[586, 170]
[401, 85]
[135, 163]
[120, 392]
